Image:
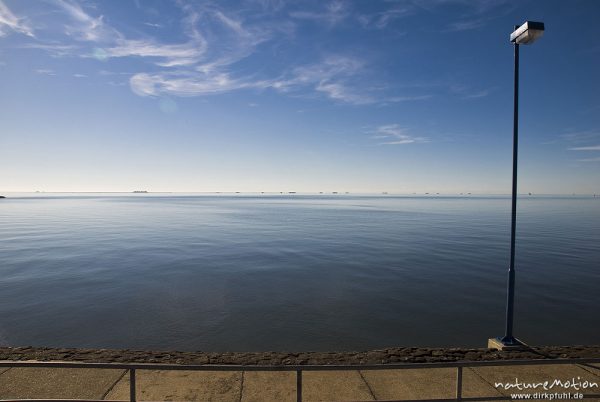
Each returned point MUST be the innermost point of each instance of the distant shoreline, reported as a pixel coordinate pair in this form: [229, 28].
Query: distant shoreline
[379, 356]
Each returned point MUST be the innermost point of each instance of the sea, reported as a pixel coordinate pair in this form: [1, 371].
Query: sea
[294, 272]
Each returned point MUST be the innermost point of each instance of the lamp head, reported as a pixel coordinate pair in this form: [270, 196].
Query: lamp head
[527, 33]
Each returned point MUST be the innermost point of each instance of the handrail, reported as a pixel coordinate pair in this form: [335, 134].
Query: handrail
[459, 365]
[294, 367]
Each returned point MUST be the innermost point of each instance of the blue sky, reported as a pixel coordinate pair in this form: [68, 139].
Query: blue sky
[266, 95]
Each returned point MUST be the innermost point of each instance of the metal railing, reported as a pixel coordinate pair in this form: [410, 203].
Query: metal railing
[132, 367]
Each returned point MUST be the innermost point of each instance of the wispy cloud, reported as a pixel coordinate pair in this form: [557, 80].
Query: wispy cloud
[334, 13]
[467, 25]
[579, 137]
[216, 42]
[172, 54]
[475, 15]
[85, 27]
[581, 141]
[331, 67]
[54, 49]
[470, 7]
[466, 92]
[94, 29]
[479, 94]
[335, 76]
[590, 148]
[198, 67]
[269, 5]
[331, 76]
[112, 73]
[326, 77]
[341, 92]
[382, 19]
[44, 71]
[393, 134]
[10, 22]
[188, 83]
[192, 68]
[394, 99]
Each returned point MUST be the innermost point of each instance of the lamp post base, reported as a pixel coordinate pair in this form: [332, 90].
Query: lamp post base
[505, 344]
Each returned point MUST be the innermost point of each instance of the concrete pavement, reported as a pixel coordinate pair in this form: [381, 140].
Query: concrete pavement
[52, 383]
[363, 385]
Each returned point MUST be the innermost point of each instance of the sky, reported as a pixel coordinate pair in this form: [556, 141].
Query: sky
[267, 95]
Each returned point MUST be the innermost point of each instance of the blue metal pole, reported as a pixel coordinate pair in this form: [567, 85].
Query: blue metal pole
[508, 337]
[132, 396]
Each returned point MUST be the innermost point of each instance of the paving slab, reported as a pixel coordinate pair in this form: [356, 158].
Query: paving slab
[536, 375]
[335, 386]
[431, 383]
[181, 385]
[57, 383]
[269, 386]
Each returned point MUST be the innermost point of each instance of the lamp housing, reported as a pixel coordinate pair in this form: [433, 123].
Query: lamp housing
[527, 33]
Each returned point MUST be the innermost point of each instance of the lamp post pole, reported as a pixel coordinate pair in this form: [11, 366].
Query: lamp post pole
[508, 338]
[525, 34]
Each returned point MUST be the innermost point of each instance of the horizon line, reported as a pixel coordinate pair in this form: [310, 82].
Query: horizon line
[421, 193]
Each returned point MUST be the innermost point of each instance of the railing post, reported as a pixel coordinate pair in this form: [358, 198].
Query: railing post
[299, 385]
[459, 373]
[132, 385]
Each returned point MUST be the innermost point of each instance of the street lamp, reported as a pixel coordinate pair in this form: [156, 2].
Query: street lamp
[525, 34]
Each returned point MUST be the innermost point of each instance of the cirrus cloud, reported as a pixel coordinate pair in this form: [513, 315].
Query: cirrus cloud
[393, 134]
[213, 51]
[10, 22]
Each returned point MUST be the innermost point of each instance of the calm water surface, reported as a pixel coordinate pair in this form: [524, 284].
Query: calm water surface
[239, 273]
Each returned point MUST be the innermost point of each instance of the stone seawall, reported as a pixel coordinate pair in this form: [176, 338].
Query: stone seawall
[380, 356]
